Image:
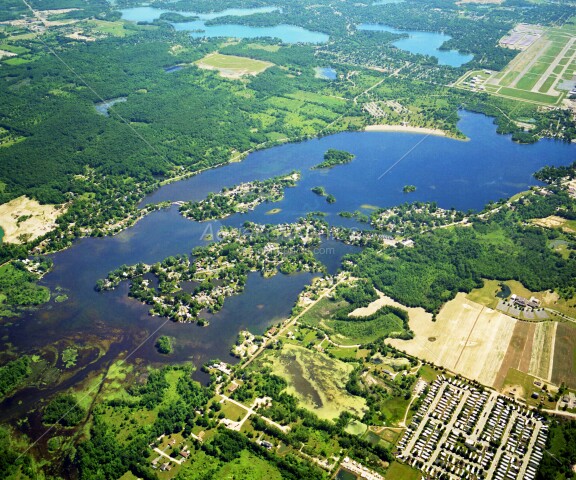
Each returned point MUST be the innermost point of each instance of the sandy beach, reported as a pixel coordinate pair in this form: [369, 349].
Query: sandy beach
[405, 129]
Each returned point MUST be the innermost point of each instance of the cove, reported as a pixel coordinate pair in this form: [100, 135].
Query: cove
[423, 43]
[199, 29]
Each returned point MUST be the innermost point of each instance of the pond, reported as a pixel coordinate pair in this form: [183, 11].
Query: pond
[325, 73]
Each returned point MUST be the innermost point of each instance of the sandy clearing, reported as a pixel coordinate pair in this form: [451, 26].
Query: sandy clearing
[42, 219]
[466, 338]
[232, 67]
[417, 315]
[553, 221]
[405, 129]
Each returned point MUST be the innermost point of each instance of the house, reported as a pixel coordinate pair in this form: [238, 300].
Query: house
[185, 453]
[266, 444]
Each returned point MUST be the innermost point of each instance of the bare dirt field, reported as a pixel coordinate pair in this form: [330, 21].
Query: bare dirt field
[467, 338]
[518, 353]
[25, 219]
[565, 355]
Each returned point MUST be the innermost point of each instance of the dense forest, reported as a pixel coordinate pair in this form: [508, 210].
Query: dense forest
[444, 262]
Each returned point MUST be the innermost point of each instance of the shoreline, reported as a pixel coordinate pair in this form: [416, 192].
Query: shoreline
[406, 129]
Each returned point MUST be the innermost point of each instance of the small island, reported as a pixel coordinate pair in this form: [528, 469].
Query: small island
[164, 345]
[331, 199]
[409, 188]
[319, 191]
[334, 157]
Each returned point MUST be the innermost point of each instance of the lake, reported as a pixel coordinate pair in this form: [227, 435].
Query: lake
[453, 173]
[325, 73]
[423, 43]
[103, 107]
[198, 28]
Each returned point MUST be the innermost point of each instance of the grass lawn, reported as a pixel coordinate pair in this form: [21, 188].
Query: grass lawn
[428, 373]
[530, 96]
[356, 428]
[13, 48]
[486, 295]
[233, 411]
[399, 471]
[344, 353]
[395, 409]
[116, 29]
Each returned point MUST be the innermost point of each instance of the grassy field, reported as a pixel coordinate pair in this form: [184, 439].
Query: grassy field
[233, 411]
[316, 379]
[231, 66]
[249, 466]
[323, 310]
[486, 295]
[399, 471]
[565, 355]
[356, 428]
[361, 332]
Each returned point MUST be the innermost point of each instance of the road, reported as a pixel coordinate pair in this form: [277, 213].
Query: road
[292, 322]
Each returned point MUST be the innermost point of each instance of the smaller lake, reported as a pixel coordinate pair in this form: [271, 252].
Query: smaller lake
[199, 29]
[423, 43]
[173, 69]
[325, 73]
[103, 107]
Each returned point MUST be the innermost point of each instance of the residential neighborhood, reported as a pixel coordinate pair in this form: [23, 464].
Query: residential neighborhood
[464, 432]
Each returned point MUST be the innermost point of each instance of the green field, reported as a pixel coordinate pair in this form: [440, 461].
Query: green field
[358, 331]
[233, 64]
[530, 96]
[249, 466]
[399, 471]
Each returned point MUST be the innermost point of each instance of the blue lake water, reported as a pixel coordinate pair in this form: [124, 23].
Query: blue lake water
[198, 28]
[103, 107]
[173, 69]
[325, 73]
[453, 173]
[423, 43]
